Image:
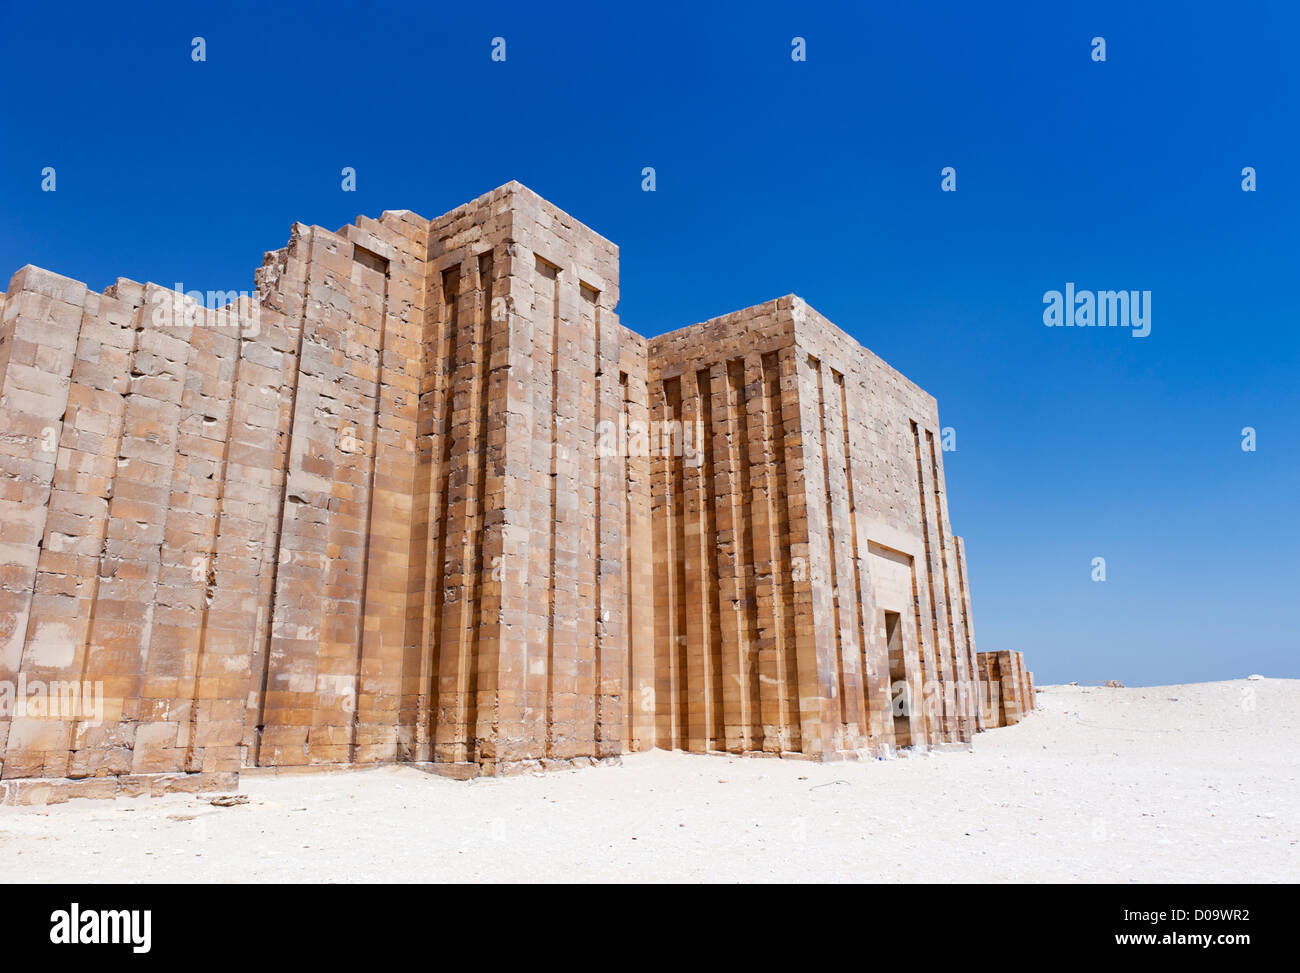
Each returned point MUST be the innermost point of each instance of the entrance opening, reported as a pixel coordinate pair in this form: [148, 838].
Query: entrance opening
[898, 689]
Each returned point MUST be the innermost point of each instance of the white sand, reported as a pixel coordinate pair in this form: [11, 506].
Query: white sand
[1170, 783]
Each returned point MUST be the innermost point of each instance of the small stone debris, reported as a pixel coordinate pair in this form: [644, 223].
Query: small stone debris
[830, 783]
[228, 800]
[1114, 684]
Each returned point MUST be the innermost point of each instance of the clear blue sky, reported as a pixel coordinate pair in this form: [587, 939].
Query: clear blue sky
[821, 178]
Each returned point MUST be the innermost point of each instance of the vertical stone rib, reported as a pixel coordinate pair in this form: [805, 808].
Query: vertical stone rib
[127, 604]
[642, 560]
[784, 730]
[832, 554]
[873, 713]
[612, 536]
[959, 544]
[554, 447]
[644, 572]
[584, 365]
[56, 494]
[662, 547]
[704, 440]
[489, 526]
[625, 411]
[597, 602]
[475, 600]
[458, 665]
[933, 682]
[373, 440]
[303, 247]
[728, 563]
[448, 358]
[680, 650]
[918, 676]
[83, 652]
[843, 553]
[210, 579]
[693, 500]
[815, 661]
[767, 546]
[954, 663]
[458, 743]
[44, 313]
[750, 709]
[423, 340]
[511, 481]
[541, 392]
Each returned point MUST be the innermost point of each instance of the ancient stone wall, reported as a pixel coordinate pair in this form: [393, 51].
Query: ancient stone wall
[730, 561]
[1007, 688]
[424, 498]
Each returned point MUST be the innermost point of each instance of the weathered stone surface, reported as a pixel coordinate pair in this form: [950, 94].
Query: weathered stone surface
[423, 498]
[1007, 688]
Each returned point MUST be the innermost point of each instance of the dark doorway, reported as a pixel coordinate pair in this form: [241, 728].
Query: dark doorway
[899, 691]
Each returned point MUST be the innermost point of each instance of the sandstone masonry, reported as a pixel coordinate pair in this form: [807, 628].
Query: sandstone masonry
[1007, 687]
[423, 498]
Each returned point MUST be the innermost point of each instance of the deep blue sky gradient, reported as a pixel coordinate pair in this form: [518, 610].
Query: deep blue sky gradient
[820, 178]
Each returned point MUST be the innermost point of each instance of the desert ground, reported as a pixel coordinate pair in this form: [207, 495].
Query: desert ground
[1195, 783]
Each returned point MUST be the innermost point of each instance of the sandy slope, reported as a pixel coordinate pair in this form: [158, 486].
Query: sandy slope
[1171, 783]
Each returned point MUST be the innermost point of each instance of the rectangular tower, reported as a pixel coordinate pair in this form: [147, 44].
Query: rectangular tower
[804, 517]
